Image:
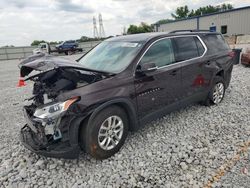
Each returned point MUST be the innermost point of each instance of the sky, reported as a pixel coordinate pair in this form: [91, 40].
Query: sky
[22, 21]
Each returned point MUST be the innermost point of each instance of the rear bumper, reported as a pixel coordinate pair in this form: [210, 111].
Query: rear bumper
[57, 150]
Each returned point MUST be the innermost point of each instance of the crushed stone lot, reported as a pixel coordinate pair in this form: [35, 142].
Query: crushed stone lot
[183, 149]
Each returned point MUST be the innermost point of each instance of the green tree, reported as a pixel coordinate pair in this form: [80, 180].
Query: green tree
[132, 29]
[145, 28]
[205, 10]
[142, 28]
[83, 39]
[36, 42]
[54, 42]
[163, 21]
[210, 9]
[226, 7]
[86, 39]
[181, 12]
[7, 46]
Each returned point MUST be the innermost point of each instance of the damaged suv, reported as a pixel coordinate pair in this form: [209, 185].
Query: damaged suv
[118, 86]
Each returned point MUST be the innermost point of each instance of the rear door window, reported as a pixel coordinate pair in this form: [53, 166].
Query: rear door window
[215, 43]
[200, 47]
[185, 48]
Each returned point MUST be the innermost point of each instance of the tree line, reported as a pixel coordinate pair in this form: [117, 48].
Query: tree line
[82, 39]
[180, 13]
[184, 12]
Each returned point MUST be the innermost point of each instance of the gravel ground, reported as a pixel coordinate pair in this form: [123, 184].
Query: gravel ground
[182, 149]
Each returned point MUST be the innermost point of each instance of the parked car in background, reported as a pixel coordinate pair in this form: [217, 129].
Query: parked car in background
[245, 59]
[121, 84]
[67, 45]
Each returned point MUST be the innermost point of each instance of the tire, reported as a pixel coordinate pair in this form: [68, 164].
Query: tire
[217, 92]
[98, 139]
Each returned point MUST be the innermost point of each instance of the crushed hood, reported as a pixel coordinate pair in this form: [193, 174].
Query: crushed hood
[57, 76]
[45, 62]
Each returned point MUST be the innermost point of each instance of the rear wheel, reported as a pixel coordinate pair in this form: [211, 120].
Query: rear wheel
[217, 92]
[106, 133]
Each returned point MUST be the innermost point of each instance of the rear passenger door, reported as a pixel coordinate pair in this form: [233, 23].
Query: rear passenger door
[189, 51]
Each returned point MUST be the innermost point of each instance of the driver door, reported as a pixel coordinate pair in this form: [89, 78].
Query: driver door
[160, 88]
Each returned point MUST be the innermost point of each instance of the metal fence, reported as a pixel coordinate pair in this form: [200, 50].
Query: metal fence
[7, 53]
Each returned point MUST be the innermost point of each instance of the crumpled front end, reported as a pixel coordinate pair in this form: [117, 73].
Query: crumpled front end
[52, 123]
[52, 137]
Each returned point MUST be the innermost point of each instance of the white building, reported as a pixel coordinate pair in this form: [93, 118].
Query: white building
[231, 22]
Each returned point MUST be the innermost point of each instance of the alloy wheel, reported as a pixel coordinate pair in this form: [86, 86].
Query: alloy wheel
[110, 132]
[218, 93]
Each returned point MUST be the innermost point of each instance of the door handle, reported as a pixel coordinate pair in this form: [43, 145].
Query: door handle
[173, 73]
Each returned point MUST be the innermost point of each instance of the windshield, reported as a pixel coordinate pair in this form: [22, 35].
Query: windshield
[111, 57]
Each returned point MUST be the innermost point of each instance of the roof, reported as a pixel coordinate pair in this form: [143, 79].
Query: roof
[144, 37]
[215, 13]
[136, 37]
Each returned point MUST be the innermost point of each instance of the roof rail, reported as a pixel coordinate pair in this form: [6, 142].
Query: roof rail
[189, 30]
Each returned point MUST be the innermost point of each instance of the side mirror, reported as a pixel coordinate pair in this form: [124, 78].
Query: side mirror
[147, 67]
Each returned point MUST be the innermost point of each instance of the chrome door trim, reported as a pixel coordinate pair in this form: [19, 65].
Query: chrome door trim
[180, 62]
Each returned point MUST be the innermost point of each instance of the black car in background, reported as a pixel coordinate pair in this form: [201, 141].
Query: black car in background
[118, 86]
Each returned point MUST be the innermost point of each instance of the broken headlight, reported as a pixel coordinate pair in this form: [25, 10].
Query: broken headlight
[53, 110]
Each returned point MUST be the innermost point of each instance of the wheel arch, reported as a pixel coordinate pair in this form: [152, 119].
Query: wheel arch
[220, 73]
[76, 124]
[123, 103]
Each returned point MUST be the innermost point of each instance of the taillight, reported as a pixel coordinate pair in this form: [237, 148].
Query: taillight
[231, 54]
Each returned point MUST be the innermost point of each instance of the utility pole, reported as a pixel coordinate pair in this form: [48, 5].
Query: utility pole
[124, 31]
[95, 28]
[101, 28]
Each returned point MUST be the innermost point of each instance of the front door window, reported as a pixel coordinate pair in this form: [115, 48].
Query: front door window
[161, 53]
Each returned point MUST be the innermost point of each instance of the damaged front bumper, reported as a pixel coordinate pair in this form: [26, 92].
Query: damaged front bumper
[33, 138]
[58, 150]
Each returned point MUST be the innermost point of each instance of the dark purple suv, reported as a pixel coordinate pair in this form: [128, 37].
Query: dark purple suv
[118, 86]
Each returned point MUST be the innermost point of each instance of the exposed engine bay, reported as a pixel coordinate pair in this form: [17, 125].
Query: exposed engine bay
[48, 85]
[56, 76]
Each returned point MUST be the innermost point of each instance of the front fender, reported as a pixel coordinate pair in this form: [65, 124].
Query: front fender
[91, 112]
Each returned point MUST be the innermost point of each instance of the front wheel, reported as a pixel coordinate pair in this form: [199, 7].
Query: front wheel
[106, 133]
